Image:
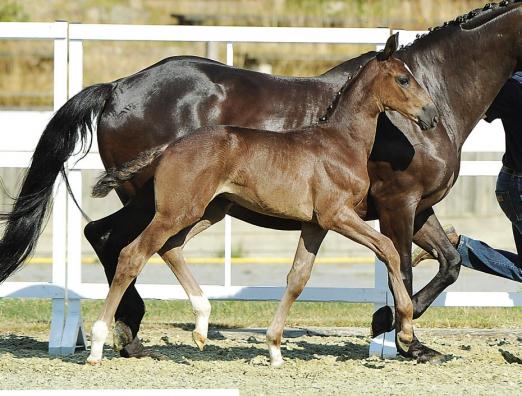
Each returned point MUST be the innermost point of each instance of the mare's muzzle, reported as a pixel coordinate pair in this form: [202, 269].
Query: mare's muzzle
[428, 117]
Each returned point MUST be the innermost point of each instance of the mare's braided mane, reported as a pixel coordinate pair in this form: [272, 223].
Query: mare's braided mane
[461, 19]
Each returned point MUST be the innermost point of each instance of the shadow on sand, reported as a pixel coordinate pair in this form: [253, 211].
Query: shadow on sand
[299, 348]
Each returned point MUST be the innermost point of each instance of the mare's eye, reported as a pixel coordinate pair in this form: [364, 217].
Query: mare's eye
[403, 81]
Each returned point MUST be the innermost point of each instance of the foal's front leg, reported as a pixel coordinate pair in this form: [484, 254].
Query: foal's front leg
[309, 242]
[172, 253]
[398, 225]
[349, 224]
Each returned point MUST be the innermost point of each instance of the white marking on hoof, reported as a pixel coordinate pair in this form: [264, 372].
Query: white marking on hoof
[98, 335]
[201, 309]
[276, 359]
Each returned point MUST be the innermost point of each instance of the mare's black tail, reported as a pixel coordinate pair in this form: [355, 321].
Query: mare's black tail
[71, 123]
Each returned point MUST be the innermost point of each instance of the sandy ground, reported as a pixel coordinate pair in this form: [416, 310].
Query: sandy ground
[333, 362]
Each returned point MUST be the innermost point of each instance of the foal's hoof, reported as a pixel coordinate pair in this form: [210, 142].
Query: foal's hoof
[382, 321]
[403, 341]
[276, 363]
[121, 336]
[93, 361]
[199, 339]
[274, 350]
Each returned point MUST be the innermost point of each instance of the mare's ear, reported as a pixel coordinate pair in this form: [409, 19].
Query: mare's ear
[391, 46]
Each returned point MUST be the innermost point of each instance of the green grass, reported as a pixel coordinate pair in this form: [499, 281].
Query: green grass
[33, 315]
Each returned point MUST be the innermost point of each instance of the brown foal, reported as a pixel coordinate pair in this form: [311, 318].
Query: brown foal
[316, 175]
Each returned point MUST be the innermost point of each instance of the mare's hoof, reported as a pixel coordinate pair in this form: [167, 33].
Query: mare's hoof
[199, 339]
[136, 350]
[121, 336]
[382, 321]
[419, 255]
[424, 354]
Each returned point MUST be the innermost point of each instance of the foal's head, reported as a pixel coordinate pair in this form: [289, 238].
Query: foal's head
[395, 88]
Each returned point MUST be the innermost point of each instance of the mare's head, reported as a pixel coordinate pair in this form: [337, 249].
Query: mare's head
[395, 88]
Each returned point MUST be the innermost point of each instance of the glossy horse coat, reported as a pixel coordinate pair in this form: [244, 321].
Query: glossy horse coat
[462, 64]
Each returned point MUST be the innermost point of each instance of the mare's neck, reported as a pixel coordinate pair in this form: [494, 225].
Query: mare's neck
[463, 70]
[348, 68]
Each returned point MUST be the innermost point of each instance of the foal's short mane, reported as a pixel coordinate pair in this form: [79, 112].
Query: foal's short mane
[333, 105]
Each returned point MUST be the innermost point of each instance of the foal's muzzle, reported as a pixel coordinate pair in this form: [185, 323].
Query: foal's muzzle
[428, 117]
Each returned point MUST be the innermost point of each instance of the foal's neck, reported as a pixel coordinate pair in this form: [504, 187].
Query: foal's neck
[355, 117]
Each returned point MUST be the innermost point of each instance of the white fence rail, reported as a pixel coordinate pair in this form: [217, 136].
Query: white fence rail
[67, 287]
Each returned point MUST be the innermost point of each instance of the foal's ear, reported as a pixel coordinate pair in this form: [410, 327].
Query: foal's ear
[391, 46]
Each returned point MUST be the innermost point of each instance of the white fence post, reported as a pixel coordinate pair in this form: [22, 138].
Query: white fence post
[60, 196]
[384, 344]
[74, 333]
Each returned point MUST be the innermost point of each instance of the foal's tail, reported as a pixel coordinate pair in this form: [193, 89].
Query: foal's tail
[71, 123]
[113, 177]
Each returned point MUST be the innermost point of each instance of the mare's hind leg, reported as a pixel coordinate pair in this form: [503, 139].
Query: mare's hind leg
[311, 237]
[347, 223]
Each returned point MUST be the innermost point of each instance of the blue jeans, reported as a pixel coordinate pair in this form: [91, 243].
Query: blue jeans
[482, 257]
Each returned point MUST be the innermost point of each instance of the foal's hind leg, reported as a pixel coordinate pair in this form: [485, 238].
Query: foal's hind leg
[347, 223]
[311, 237]
[130, 263]
[173, 256]
[108, 236]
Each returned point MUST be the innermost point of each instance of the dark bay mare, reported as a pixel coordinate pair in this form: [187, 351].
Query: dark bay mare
[317, 175]
[463, 65]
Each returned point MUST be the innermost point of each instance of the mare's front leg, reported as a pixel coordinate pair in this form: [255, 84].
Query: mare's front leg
[431, 237]
[309, 242]
[349, 224]
[398, 225]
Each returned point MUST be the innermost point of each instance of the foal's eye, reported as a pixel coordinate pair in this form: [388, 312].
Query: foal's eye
[403, 81]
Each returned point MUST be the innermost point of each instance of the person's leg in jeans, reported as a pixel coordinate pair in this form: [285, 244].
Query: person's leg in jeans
[518, 240]
[480, 256]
